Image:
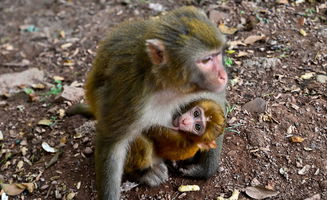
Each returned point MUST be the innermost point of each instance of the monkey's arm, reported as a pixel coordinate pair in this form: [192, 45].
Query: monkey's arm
[207, 162]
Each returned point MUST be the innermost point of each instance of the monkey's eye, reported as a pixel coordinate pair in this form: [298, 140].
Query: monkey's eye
[206, 59]
[197, 113]
[198, 127]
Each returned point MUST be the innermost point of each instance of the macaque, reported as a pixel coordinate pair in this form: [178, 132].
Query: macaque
[144, 71]
[196, 129]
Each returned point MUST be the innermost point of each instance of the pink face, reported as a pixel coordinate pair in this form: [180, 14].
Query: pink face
[192, 121]
[213, 69]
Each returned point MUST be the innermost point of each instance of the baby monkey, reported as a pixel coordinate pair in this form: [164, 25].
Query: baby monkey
[197, 128]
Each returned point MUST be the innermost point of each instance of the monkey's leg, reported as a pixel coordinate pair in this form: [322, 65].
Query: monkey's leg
[155, 175]
[207, 164]
[109, 161]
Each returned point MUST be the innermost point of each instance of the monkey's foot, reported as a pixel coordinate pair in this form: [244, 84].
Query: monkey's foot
[197, 171]
[155, 175]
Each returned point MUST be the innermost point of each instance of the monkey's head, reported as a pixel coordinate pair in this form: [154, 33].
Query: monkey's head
[186, 49]
[202, 123]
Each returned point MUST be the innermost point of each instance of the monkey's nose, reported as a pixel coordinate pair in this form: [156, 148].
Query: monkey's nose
[186, 121]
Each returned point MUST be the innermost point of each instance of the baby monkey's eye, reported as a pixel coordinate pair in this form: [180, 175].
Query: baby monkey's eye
[197, 113]
[198, 127]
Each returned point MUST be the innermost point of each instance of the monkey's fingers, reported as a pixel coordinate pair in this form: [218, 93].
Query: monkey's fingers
[156, 175]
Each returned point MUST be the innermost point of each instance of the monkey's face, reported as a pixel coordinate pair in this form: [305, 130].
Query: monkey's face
[213, 73]
[193, 121]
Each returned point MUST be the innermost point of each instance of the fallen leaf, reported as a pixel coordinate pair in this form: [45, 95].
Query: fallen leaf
[302, 32]
[230, 51]
[53, 160]
[188, 188]
[45, 122]
[48, 148]
[62, 34]
[314, 197]
[127, 186]
[227, 30]
[63, 140]
[301, 21]
[322, 78]
[307, 75]
[234, 44]
[234, 196]
[296, 139]
[70, 196]
[66, 45]
[1, 136]
[38, 86]
[58, 78]
[304, 170]
[20, 165]
[259, 192]
[283, 2]
[17, 188]
[242, 54]
[254, 38]
[61, 113]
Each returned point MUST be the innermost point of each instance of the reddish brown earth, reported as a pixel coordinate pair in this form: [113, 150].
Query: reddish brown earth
[257, 148]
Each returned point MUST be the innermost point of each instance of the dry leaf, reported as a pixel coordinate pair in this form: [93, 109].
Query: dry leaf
[66, 45]
[284, 2]
[302, 32]
[242, 54]
[234, 44]
[254, 38]
[63, 140]
[62, 34]
[227, 30]
[296, 139]
[70, 196]
[17, 188]
[188, 188]
[307, 75]
[259, 192]
[48, 148]
[301, 21]
[44, 122]
[58, 78]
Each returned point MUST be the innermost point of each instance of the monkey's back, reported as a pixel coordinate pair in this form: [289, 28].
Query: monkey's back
[121, 55]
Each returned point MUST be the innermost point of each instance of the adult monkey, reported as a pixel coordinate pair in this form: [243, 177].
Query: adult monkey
[143, 72]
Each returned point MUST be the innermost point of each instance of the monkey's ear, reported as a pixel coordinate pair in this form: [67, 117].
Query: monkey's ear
[156, 51]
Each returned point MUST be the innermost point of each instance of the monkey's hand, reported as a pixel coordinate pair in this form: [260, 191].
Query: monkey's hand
[155, 175]
[205, 164]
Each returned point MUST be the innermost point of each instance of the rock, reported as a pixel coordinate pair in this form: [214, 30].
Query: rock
[156, 7]
[256, 139]
[322, 78]
[9, 81]
[88, 150]
[73, 94]
[257, 105]
[262, 63]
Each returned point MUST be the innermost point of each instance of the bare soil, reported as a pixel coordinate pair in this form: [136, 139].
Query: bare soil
[257, 149]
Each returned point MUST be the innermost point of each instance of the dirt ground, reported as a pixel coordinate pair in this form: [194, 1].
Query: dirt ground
[284, 63]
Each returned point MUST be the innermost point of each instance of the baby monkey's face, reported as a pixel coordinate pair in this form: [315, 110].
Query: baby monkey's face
[192, 121]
